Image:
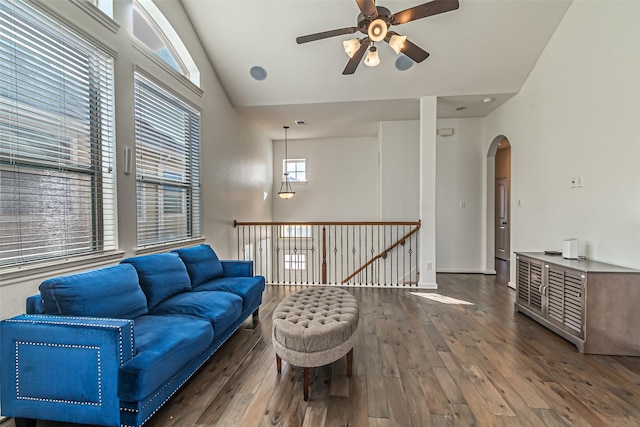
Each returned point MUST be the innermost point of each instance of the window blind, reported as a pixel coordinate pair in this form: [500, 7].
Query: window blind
[57, 183]
[167, 135]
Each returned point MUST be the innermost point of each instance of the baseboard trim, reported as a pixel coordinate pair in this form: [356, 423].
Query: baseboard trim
[511, 285]
[427, 285]
[460, 270]
[490, 272]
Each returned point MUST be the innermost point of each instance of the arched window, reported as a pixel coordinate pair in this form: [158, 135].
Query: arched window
[154, 30]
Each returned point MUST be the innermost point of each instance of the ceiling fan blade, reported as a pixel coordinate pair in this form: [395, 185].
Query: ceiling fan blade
[355, 60]
[431, 8]
[326, 35]
[368, 8]
[414, 52]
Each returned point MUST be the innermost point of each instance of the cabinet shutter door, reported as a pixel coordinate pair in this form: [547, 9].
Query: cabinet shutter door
[523, 281]
[536, 285]
[573, 295]
[555, 295]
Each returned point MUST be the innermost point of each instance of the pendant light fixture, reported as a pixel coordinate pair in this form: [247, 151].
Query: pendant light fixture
[285, 188]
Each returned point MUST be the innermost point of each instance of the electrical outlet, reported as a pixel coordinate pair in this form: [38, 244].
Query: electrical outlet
[572, 182]
[429, 265]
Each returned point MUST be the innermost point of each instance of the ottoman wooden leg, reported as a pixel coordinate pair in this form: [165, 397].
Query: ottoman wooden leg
[278, 364]
[305, 383]
[349, 362]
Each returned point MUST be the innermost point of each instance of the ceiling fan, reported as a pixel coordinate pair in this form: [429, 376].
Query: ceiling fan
[374, 22]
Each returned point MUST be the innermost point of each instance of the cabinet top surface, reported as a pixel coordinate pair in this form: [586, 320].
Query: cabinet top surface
[585, 265]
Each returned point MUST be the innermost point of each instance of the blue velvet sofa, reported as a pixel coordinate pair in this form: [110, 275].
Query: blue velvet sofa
[111, 346]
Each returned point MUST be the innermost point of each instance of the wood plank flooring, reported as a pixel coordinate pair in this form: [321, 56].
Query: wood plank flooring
[418, 362]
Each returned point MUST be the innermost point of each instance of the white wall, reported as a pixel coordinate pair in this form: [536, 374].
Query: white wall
[236, 159]
[459, 180]
[399, 170]
[578, 115]
[342, 180]
[428, 127]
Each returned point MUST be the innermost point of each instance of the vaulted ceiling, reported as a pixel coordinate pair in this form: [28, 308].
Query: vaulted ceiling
[485, 49]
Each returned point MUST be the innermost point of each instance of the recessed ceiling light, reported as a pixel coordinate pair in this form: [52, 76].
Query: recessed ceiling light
[487, 99]
[300, 122]
[461, 108]
[258, 73]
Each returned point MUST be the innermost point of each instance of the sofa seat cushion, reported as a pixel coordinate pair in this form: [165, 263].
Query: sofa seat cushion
[249, 288]
[222, 309]
[202, 263]
[107, 292]
[161, 276]
[163, 345]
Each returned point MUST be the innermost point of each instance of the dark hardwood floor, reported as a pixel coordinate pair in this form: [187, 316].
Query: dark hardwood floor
[418, 362]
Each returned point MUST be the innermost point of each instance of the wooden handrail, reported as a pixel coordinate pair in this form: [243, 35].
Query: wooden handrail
[237, 223]
[384, 253]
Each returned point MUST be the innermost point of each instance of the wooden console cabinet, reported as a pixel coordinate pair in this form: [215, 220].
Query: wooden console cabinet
[595, 306]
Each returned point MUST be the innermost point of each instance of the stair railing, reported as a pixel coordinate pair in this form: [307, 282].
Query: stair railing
[354, 253]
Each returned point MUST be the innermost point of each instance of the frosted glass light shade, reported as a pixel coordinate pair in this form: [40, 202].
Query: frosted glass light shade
[377, 30]
[286, 194]
[372, 58]
[351, 47]
[397, 42]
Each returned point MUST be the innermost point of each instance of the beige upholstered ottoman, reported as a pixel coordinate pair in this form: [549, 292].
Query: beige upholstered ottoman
[314, 327]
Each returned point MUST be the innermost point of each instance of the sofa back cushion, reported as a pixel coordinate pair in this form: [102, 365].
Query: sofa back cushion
[107, 292]
[202, 263]
[161, 276]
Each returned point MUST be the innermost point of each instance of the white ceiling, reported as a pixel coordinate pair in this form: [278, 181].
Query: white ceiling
[486, 48]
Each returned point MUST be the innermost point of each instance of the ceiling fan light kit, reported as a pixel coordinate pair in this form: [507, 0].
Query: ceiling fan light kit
[377, 30]
[396, 43]
[351, 47]
[372, 58]
[374, 22]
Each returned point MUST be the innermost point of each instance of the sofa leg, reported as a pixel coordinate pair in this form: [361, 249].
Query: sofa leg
[254, 317]
[25, 422]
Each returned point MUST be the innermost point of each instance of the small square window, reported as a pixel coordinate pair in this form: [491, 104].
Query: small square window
[297, 169]
[295, 262]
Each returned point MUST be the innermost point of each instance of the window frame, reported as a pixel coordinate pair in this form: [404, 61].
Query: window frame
[162, 166]
[295, 231]
[295, 172]
[295, 262]
[50, 134]
[172, 41]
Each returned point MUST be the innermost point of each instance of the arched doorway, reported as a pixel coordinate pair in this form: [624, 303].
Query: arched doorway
[498, 237]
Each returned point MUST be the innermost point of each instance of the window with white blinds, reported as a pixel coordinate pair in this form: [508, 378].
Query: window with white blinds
[57, 183]
[167, 134]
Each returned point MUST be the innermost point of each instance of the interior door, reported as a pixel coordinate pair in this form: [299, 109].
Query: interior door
[503, 233]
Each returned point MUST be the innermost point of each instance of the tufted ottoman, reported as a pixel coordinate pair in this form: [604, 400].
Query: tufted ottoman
[314, 327]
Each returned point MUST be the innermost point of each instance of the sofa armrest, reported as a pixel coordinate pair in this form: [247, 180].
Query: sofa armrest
[35, 305]
[63, 368]
[234, 268]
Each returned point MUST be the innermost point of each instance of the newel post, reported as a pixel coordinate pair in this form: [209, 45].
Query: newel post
[324, 254]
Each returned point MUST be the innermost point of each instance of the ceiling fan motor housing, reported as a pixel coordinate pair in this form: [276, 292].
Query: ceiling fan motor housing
[364, 22]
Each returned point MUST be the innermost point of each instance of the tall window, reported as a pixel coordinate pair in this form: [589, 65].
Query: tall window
[57, 183]
[167, 165]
